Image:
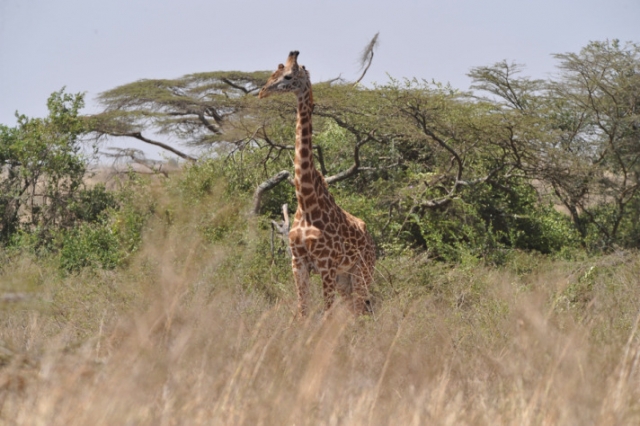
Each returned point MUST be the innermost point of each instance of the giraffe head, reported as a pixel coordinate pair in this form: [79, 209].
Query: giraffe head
[289, 77]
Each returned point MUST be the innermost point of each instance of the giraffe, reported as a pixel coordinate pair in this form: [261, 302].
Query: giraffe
[324, 238]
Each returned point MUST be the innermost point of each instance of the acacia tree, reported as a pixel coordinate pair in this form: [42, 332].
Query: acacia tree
[197, 109]
[600, 87]
[578, 134]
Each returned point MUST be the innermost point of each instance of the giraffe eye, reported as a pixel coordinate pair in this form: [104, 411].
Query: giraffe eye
[287, 77]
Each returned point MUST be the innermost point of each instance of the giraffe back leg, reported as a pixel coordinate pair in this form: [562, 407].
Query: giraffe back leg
[344, 287]
[343, 283]
[361, 279]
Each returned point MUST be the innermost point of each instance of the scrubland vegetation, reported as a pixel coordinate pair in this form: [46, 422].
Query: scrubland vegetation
[507, 285]
[198, 327]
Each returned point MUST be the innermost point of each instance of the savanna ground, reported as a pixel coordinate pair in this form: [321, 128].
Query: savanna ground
[198, 327]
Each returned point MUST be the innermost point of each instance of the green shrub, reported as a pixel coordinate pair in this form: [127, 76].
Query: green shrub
[488, 222]
[111, 226]
[199, 180]
[90, 245]
[42, 170]
[90, 203]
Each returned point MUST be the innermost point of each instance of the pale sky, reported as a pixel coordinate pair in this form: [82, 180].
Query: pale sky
[90, 46]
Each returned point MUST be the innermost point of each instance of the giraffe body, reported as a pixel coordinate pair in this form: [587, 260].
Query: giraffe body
[324, 238]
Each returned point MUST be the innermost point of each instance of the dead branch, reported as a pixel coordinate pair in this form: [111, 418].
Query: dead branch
[282, 229]
[367, 57]
[265, 186]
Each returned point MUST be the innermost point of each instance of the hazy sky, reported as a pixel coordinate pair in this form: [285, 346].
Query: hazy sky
[92, 46]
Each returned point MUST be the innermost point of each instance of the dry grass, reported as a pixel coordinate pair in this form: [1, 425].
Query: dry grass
[172, 340]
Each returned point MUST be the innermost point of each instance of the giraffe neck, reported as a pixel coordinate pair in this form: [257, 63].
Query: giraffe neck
[305, 172]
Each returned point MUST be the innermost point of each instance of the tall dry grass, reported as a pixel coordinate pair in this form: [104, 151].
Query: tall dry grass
[175, 338]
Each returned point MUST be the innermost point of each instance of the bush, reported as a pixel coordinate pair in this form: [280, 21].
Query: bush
[111, 229]
[90, 203]
[90, 245]
[43, 170]
[488, 222]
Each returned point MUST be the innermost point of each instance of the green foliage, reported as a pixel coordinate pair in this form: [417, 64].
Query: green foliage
[204, 202]
[45, 207]
[90, 245]
[546, 230]
[199, 180]
[137, 204]
[90, 203]
[224, 222]
[486, 223]
[42, 169]
[112, 230]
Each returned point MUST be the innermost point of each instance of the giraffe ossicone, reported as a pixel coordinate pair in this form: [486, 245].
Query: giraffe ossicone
[324, 238]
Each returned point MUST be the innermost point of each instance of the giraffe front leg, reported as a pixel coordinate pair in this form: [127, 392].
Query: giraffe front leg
[301, 277]
[328, 287]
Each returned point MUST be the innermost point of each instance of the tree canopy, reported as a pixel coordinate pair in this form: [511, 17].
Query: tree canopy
[430, 166]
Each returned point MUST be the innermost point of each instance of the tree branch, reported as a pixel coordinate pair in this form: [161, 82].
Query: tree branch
[208, 125]
[265, 186]
[139, 136]
[137, 156]
[236, 86]
[323, 169]
[355, 168]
